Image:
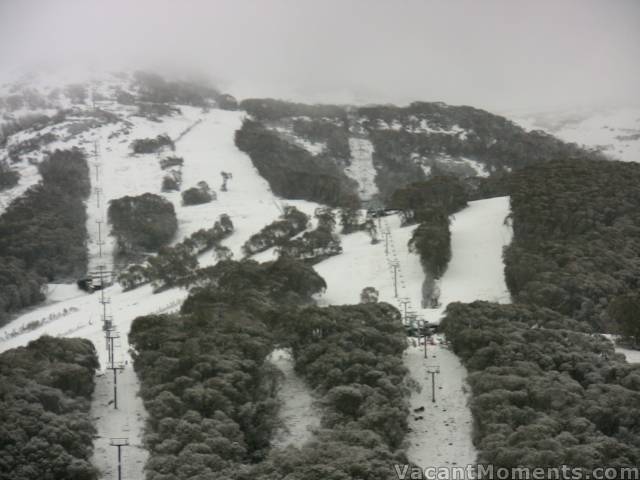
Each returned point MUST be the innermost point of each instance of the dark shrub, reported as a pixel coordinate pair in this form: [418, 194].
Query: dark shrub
[198, 195]
[142, 223]
[151, 145]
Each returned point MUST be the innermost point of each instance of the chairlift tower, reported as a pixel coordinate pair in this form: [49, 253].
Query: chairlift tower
[433, 370]
[395, 265]
[115, 367]
[386, 234]
[404, 302]
[119, 443]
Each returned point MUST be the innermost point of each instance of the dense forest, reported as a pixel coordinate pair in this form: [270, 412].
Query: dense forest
[417, 200]
[43, 232]
[205, 381]
[142, 223]
[352, 356]
[546, 392]
[211, 394]
[292, 172]
[576, 242]
[45, 429]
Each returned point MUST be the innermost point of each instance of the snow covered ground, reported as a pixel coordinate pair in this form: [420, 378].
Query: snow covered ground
[127, 421]
[475, 272]
[361, 168]
[117, 173]
[615, 130]
[298, 413]
[441, 434]
[632, 356]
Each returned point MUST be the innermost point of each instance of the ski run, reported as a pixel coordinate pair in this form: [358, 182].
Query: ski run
[298, 412]
[440, 431]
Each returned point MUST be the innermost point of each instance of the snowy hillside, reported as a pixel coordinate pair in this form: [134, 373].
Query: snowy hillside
[204, 137]
[441, 431]
[479, 233]
[614, 131]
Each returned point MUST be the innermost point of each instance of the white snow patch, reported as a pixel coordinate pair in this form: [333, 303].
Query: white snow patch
[632, 356]
[476, 271]
[127, 421]
[616, 130]
[314, 148]
[441, 434]
[481, 169]
[297, 411]
[59, 292]
[361, 168]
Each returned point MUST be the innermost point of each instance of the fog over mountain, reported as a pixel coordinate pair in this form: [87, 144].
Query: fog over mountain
[499, 55]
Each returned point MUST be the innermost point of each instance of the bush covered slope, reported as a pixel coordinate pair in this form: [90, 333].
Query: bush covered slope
[292, 172]
[211, 394]
[352, 356]
[576, 238]
[205, 381]
[45, 430]
[43, 232]
[544, 392]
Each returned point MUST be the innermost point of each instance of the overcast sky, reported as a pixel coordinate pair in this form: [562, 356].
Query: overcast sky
[496, 54]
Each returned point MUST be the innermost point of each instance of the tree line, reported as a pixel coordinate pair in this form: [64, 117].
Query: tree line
[45, 429]
[43, 232]
[206, 384]
[142, 223]
[211, 394]
[292, 172]
[546, 391]
[576, 226]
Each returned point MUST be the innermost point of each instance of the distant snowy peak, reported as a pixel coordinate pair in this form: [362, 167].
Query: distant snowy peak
[613, 131]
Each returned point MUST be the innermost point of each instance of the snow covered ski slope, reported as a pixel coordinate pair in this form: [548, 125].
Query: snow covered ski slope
[476, 271]
[441, 431]
[479, 234]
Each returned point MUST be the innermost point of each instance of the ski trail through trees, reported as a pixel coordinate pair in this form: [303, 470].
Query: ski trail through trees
[298, 413]
[127, 421]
